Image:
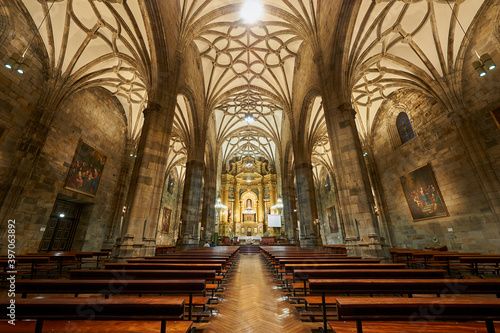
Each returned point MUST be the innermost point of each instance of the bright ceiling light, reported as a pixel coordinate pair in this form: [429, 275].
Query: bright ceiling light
[249, 118]
[251, 11]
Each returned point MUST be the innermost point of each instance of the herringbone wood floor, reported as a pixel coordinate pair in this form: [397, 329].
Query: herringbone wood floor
[253, 304]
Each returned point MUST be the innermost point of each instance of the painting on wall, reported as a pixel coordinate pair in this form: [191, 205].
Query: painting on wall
[332, 220]
[85, 172]
[3, 132]
[422, 194]
[165, 222]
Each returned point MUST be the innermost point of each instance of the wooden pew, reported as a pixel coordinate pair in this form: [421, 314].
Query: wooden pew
[113, 287]
[406, 286]
[132, 308]
[450, 260]
[27, 265]
[488, 262]
[108, 274]
[222, 262]
[138, 274]
[305, 274]
[155, 266]
[428, 309]
[292, 267]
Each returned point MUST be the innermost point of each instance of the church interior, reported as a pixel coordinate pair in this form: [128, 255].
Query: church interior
[146, 128]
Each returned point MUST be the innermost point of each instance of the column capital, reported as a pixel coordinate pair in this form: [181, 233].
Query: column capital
[305, 165]
[195, 163]
[152, 107]
[346, 108]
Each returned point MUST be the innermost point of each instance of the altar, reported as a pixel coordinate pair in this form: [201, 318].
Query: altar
[249, 238]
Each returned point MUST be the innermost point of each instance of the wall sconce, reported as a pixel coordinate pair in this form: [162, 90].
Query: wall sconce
[484, 61]
[13, 61]
[18, 62]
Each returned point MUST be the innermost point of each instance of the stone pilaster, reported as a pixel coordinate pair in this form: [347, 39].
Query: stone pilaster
[190, 214]
[146, 187]
[237, 203]
[260, 211]
[308, 213]
[224, 198]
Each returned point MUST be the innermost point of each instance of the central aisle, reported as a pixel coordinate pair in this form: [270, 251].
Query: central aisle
[253, 304]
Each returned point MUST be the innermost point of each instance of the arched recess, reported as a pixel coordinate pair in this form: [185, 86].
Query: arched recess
[180, 141]
[327, 200]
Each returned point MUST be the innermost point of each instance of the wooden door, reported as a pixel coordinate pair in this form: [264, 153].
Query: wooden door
[61, 227]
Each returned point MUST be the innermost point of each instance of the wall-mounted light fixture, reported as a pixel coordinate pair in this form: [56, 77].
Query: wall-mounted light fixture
[19, 62]
[484, 61]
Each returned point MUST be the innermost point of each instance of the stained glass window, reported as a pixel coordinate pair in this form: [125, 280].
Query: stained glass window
[404, 127]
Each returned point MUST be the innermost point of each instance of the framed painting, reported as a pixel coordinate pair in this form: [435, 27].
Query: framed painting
[332, 220]
[85, 172]
[3, 132]
[422, 194]
[165, 222]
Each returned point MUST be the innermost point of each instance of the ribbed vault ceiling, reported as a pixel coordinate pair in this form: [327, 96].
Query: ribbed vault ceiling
[400, 44]
[249, 68]
[97, 43]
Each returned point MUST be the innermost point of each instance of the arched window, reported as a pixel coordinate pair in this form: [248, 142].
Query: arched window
[404, 127]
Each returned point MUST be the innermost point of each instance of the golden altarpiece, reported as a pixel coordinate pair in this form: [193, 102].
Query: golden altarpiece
[248, 189]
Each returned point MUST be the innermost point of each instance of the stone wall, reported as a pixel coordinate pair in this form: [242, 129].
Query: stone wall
[96, 118]
[19, 94]
[470, 225]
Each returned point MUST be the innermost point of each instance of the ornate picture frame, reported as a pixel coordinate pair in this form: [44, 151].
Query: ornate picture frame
[85, 172]
[422, 194]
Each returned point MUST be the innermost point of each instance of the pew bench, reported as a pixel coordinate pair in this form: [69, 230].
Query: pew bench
[427, 309]
[305, 274]
[136, 308]
[113, 288]
[488, 263]
[401, 286]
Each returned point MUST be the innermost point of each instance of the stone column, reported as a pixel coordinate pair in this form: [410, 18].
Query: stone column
[260, 210]
[308, 212]
[190, 213]
[354, 192]
[208, 213]
[146, 187]
[237, 204]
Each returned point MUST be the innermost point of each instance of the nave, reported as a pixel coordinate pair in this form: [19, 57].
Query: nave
[253, 303]
[265, 292]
